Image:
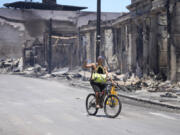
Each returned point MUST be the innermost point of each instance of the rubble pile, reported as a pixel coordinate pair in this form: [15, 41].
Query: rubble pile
[66, 73]
[15, 66]
[126, 82]
[150, 84]
[36, 71]
[11, 65]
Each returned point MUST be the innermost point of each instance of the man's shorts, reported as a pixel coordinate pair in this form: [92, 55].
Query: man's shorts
[97, 87]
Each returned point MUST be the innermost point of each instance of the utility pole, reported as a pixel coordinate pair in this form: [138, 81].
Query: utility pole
[50, 47]
[98, 27]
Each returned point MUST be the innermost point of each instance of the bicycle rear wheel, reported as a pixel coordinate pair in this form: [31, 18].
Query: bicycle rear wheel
[91, 104]
[112, 106]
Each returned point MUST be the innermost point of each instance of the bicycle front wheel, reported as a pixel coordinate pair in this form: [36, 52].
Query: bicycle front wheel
[112, 106]
[91, 104]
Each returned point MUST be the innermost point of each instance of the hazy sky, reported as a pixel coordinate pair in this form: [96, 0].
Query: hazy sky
[107, 5]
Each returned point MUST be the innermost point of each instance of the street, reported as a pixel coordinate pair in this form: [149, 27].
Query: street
[31, 106]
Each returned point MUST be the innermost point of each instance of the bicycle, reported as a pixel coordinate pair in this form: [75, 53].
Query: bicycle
[108, 100]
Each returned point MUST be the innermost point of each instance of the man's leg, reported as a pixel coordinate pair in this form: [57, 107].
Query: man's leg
[97, 100]
[102, 88]
[96, 90]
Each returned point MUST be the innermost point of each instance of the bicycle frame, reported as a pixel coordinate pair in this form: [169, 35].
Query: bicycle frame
[107, 92]
[113, 91]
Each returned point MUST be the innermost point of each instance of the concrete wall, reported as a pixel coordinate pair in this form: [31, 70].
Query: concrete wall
[108, 45]
[163, 43]
[175, 43]
[11, 39]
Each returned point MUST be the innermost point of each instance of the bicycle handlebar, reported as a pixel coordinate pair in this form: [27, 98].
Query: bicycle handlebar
[116, 85]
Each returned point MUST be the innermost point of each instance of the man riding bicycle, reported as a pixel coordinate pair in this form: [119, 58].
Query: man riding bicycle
[98, 78]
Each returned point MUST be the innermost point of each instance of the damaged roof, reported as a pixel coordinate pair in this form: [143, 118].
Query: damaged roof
[42, 6]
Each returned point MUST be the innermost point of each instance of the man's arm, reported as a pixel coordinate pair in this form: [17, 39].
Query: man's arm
[108, 76]
[106, 71]
[91, 65]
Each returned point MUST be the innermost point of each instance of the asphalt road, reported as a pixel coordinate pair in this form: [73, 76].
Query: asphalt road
[39, 107]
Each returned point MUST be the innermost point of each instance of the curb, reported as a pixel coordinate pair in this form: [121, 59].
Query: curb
[149, 101]
[145, 100]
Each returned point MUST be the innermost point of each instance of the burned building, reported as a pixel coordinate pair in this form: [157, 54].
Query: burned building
[144, 41]
[148, 38]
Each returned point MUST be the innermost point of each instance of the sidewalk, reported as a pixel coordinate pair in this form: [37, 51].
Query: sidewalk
[153, 98]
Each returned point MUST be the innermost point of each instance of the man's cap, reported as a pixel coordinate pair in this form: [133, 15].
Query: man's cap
[100, 58]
